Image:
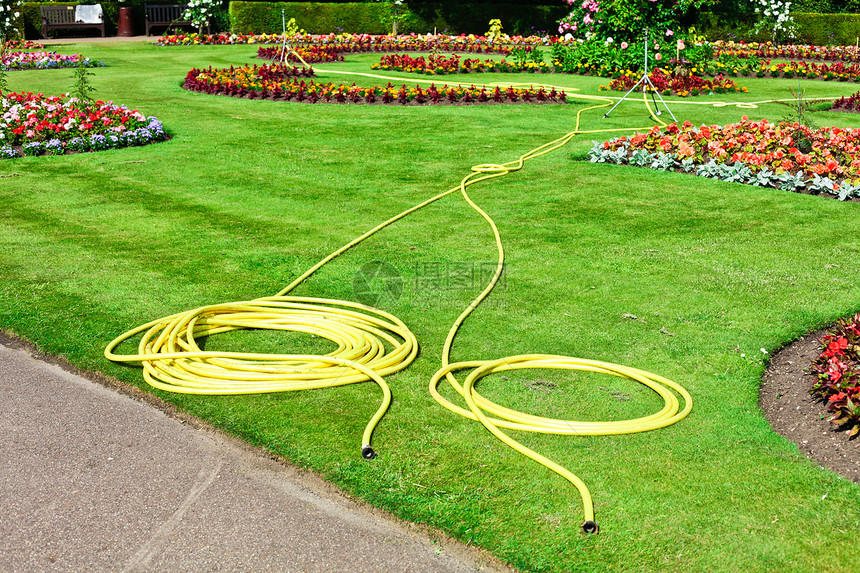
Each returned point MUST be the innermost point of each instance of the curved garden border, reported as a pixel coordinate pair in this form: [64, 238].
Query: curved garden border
[799, 417]
[35, 124]
[280, 82]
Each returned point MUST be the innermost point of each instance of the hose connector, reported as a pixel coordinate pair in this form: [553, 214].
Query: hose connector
[367, 452]
[590, 527]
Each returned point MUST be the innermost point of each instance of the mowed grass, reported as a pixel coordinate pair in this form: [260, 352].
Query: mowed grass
[249, 194]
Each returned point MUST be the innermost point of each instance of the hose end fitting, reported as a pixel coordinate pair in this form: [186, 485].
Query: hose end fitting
[590, 527]
[367, 452]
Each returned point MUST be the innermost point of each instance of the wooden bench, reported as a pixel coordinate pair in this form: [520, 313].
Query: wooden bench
[167, 15]
[63, 18]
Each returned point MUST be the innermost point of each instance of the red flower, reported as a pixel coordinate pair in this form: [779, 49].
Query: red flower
[836, 347]
[837, 397]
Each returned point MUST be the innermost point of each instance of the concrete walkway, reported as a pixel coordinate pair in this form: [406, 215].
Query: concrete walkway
[93, 480]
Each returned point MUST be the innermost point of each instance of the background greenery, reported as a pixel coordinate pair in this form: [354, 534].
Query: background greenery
[248, 194]
[724, 21]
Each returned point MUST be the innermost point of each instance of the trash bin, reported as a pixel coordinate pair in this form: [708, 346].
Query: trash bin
[125, 25]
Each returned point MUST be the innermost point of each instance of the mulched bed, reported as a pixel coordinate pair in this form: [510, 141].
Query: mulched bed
[795, 414]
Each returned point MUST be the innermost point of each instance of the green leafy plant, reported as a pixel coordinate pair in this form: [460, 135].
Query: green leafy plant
[800, 112]
[520, 56]
[82, 89]
[495, 32]
[393, 14]
[292, 28]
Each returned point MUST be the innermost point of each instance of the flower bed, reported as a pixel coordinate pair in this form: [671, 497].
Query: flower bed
[788, 156]
[362, 43]
[847, 104]
[217, 39]
[682, 86]
[788, 51]
[45, 61]
[311, 55]
[35, 124]
[23, 45]
[810, 70]
[279, 82]
[838, 371]
[440, 65]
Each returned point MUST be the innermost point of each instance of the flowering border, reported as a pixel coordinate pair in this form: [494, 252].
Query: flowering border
[681, 86]
[310, 54]
[437, 64]
[45, 61]
[285, 83]
[787, 156]
[35, 124]
[787, 51]
[837, 369]
[18, 44]
[362, 43]
[850, 104]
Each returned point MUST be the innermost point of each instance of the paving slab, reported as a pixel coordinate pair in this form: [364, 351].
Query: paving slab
[94, 480]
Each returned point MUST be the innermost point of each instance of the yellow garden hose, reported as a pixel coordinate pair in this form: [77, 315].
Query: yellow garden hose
[371, 344]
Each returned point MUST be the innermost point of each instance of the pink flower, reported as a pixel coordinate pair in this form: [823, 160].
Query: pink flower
[658, 57]
[624, 45]
[669, 32]
[681, 45]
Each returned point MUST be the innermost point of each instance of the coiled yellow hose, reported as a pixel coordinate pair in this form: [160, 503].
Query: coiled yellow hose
[372, 343]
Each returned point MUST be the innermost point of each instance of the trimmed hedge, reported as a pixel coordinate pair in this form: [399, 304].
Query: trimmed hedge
[828, 29]
[368, 18]
[817, 29]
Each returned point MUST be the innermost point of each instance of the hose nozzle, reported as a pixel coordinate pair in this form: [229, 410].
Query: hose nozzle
[367, 452]
[590, 527]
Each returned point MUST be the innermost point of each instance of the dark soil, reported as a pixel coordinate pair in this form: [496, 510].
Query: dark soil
[795, 414]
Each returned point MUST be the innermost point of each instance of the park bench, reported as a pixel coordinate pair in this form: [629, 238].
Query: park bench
[72, 18]
[167, 15]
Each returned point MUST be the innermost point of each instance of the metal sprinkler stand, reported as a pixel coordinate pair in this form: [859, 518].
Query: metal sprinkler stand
[645, 81]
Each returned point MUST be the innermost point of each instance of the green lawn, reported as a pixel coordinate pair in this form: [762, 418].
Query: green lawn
[249, 194]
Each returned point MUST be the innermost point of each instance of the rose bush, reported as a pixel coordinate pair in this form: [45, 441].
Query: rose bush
[625, 20]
